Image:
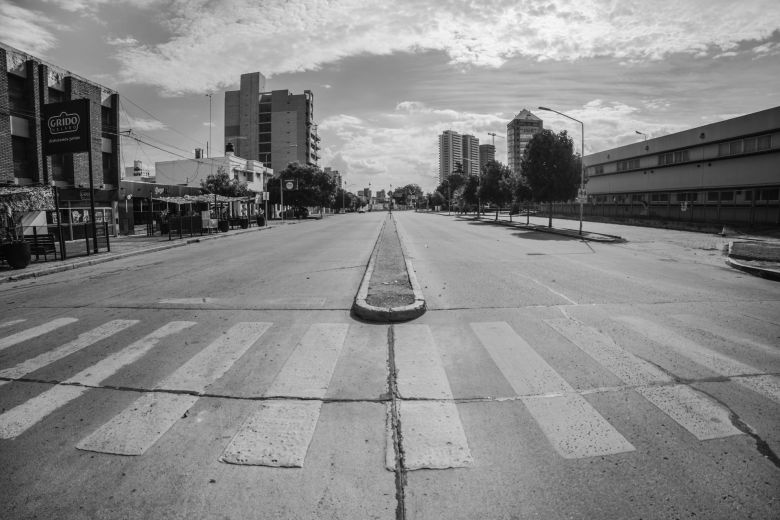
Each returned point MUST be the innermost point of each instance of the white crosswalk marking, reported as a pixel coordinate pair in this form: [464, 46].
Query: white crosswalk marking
[418, 364]
[17, 420]
[574, 428]
[34, 332]
[144, 421]
[700, 415]
[722, 364]
[84, 340]
[11, 323]
[278, 433]
[432, 431]
[692, 410]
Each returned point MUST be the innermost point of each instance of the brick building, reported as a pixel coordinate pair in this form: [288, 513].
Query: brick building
[27, 84]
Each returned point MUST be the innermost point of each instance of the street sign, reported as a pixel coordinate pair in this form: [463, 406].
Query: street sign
[582, 193]
[66, 127]
[290, 185]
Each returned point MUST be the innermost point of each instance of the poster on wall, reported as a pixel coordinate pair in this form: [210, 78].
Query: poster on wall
[66, 127]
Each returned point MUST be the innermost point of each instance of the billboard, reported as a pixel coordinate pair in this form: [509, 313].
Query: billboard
[66, 127]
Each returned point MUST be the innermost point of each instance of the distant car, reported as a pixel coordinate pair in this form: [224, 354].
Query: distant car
[361, 210]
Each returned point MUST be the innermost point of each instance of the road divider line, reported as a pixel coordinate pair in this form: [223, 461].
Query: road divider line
[19, 419]
[34, 332]
[149, 417]
[694, 411]
[278, 433]
[572, 426]
[11, 323]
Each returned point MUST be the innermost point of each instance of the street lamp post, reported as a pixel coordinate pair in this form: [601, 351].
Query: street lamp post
[642, 133]
[582, 158]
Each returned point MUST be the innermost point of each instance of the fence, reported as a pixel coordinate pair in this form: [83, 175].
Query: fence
[54, 243]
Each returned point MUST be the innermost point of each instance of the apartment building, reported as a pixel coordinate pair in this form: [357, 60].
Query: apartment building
[487, 152]
[470, 152]
[519, 133]
[275, 127]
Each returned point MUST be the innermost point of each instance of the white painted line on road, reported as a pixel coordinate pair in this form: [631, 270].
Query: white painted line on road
[187, 301]
[727, 334]
[574, 428]
[432, 436]
[525, 370]
[17, 420]
[34, 332]
[140, 425]
[106, 367]
[696, 412]
[309, 368]
[420, 372]
[560, 294]
[84, 340]
[143, 422]
[602, 348]
[278, 434]
[766, 385]
[211, 363]
[11, 323]
[710, 359]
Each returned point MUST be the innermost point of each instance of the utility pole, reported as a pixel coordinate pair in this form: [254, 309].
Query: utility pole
[208, 153]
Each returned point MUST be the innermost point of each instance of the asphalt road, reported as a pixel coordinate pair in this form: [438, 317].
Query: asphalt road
[550, 378]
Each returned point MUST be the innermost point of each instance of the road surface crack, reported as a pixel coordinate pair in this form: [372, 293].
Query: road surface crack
[395, 421]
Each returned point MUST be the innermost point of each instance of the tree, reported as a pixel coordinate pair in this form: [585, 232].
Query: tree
[405, 193]
[497, 184]
[550, 168]
[470, 192]
[220, 183]
[314, 187]
[450, 185]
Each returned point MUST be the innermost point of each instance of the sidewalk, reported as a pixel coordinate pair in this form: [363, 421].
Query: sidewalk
[122, 246]
[756, 254]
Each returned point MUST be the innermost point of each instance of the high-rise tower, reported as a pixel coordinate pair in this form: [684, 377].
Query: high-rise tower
[519, 133]
[450, 153]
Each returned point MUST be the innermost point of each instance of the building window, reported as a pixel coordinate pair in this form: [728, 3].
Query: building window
[686, 197]
[770, 194]
[750, 145]
[747, 145]
[764, 142]
[21, 149]
[659, 197]
[726, 195]
[712, 196]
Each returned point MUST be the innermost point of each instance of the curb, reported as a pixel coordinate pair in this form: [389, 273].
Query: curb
[388, 314]
[768, 274]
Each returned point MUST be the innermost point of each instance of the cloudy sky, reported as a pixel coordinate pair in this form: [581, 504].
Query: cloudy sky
[389, 77]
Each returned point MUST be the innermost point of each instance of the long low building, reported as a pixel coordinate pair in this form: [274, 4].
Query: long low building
[725, 172]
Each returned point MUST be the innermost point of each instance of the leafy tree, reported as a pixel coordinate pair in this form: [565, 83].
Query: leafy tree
[470, 193]
[221, 184]
[497, 184]
[350, 200]
[436, 199]
[450, 185]
[405, 193]
[314, 187]
[550, 168]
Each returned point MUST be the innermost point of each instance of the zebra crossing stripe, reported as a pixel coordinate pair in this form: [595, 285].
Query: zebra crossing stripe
[432, 434]
[629, 368]
[84, 340]
[140, 425]
[692, 410]
[420, 373]
[278, 433]
[34, 332]
[702, 416]
[308, 370]
[572, 426]
[728, 334]
[143, 422]
[17, 420]
[743, 374]
[11, 323]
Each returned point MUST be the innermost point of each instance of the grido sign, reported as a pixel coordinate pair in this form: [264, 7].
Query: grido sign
[66, 127]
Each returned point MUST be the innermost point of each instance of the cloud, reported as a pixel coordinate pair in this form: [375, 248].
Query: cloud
[92, 6]
[140, 124]
[204, 33]
[25, 29]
